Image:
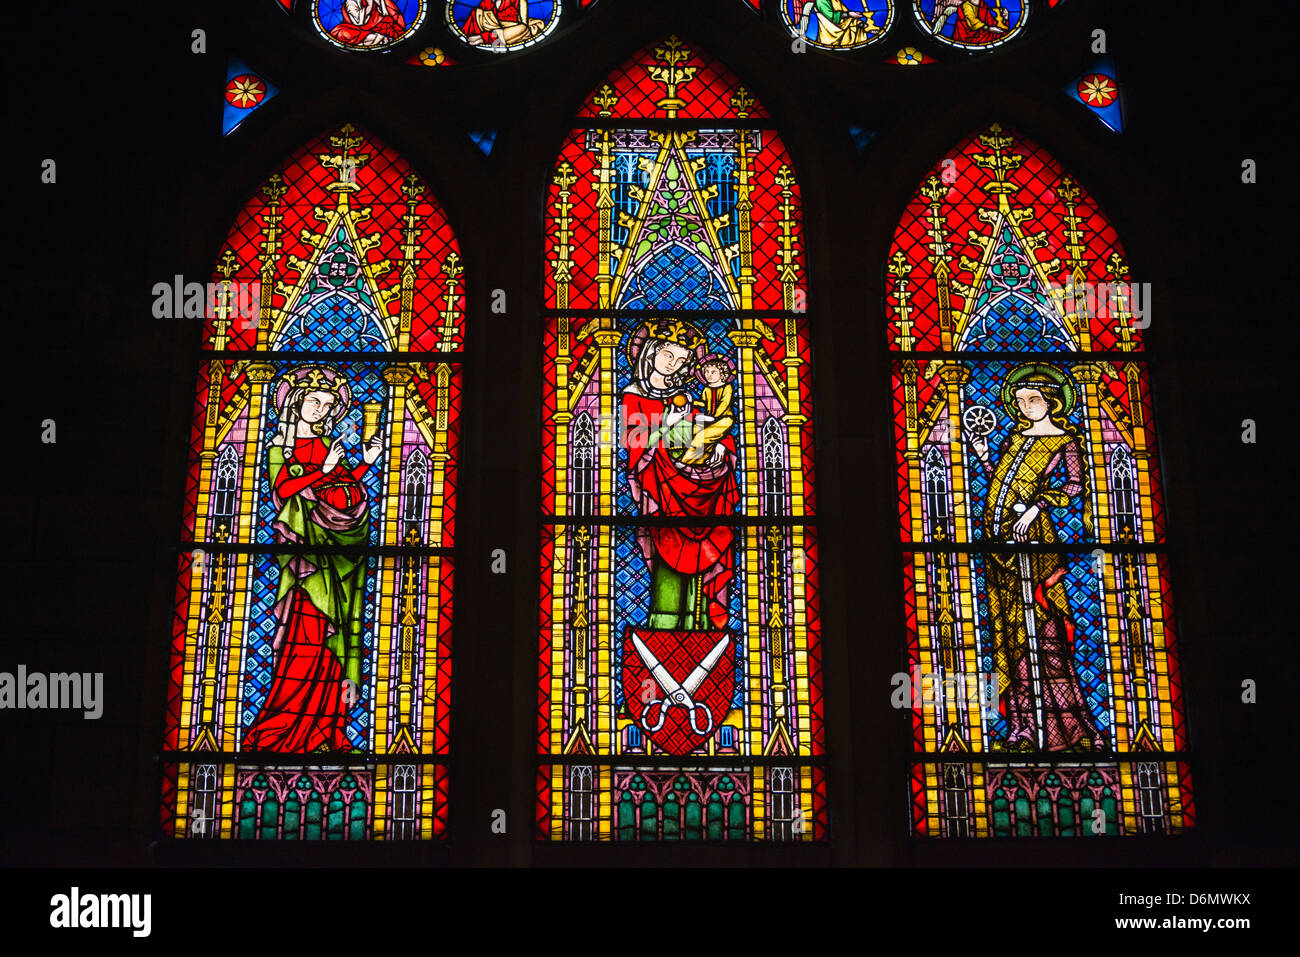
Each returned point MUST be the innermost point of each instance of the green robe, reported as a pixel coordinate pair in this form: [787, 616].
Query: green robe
[337, 586]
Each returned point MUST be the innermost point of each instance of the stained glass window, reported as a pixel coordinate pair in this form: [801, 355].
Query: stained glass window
[679, 684]
[1043, 679]
[308, 689]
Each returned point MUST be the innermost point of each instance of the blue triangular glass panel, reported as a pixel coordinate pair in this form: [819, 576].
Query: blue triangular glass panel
[246, 90]
[1097, 88]
[861, 137]
[484, 139]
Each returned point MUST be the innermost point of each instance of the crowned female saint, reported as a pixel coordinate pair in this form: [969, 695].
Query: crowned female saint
[320, 502]
[690, 567]
[1040, 467]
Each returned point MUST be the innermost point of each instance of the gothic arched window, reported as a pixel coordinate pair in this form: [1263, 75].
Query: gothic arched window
[308, 689]
[679, 669]
[1040, 641]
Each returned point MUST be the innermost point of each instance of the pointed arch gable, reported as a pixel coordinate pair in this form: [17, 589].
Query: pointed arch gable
[299, 213]
[668, 80]
[997, 191]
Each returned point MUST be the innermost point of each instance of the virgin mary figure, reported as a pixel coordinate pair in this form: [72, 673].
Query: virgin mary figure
[320, 502]
[1040, 467]
[690, 568]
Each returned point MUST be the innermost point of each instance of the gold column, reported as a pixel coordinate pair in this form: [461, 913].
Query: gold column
[407, 585]
[379, 812]
[607, 340]
[1089, 375]
[900, 268]
[746, 340]
[262, 375]
[559, 676]
[450, 314]
[776, 643]
[212, 628]
[788, 270]
[562, 269]
[562, 266]
[935, 191]
[432, 570]
[227, 266]
[604, 189]
[1080, 320]
[742, 102]
[1124, 711]
[413, 189]
[979, 806]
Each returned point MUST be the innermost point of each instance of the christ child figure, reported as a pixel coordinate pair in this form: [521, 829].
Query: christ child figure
[714, 420]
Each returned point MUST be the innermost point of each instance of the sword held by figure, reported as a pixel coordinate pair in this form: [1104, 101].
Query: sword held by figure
[978, 423]
[1031, 631]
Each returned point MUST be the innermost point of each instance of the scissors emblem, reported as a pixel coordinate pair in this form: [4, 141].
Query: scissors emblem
[678, 695]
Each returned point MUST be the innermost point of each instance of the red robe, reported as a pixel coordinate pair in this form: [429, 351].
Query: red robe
[661, 488]
[304, 707]
[384, 18]
[339, 487]
[985, 33]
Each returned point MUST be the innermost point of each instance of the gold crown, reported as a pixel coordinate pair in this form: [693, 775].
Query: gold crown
[313, 379]
[677, 331]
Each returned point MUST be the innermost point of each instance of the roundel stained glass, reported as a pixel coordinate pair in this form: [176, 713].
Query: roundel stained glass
[367, 24]
[838, 24]
[971, 24]
[502, 26]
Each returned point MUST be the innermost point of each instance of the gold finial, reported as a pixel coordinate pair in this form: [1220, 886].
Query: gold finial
[742, 101]
[672, 73]
[274, 188]
[227, 264]
[564, 176]
[934, 189]
[1000, 163]
[451, 267]
[606, 99]
[412, 188]
[345, 160]
[1068, 190]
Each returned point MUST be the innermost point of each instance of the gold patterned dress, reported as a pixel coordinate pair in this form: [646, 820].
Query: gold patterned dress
[836, 27]
[1028, 588]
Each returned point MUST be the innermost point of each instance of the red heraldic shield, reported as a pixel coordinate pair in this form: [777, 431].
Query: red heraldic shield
[677, 718]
